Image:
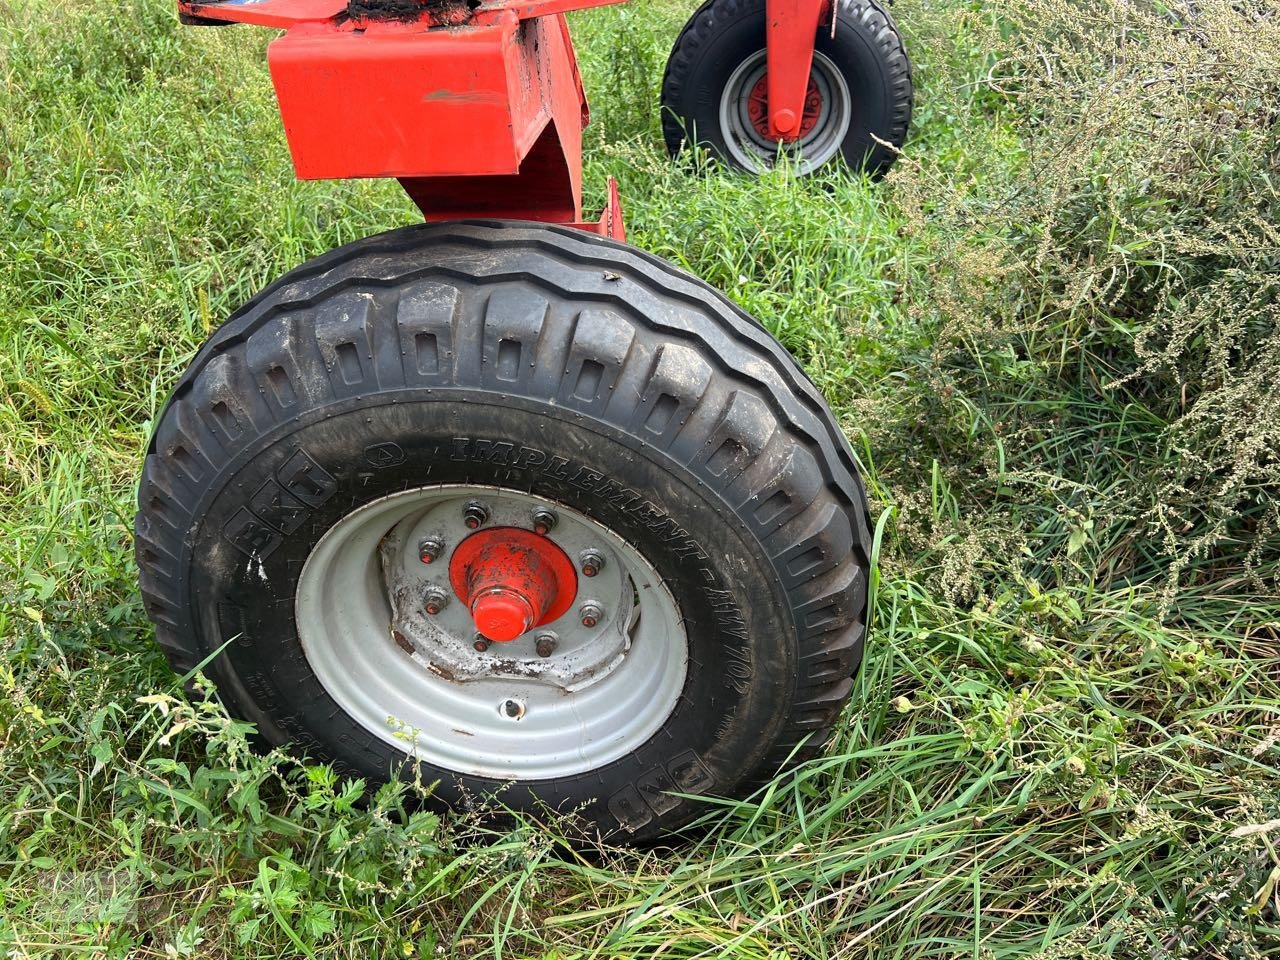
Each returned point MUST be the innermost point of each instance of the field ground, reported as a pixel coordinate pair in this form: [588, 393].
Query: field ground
[1051, 336]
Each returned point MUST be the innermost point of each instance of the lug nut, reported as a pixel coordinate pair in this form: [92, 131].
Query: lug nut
[546, 645]
[512, 708]
[474, 514]
[437, 599]
[592, 562]
[481, 644]
[430, 548]
[544, 521]
[591, 614]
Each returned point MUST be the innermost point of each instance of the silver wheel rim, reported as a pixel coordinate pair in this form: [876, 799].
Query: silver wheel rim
[757, 153]
[416, 681]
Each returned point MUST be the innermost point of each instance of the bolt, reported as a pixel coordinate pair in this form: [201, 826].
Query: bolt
[546, 645]
[544, 520]
[592, 562]
[482, 643]
[437, 600]
[430, 548]
[591, 613]
[784, 120]
[474, 514]
[512, 708]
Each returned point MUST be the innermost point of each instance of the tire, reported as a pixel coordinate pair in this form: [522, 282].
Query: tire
[537, 363]
[861, 82]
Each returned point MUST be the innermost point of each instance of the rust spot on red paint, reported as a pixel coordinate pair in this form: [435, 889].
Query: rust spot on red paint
[464, 96]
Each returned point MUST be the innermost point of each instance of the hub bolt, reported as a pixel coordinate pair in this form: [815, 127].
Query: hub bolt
[475, 514]
[546, 644]
[592, 562]
[437, 600]
[544, 521]
[430, 548]
[482, 643]
[591, 613]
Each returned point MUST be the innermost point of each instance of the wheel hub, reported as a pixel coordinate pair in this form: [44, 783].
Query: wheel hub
[817, 138]
[593, 649]
[758, 109]
[500, 596]
[511, 580]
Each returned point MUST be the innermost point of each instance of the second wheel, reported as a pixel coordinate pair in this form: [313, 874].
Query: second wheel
[857, 105]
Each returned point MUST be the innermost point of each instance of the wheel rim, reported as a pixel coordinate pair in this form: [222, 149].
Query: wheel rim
[561, 699]
[823, 126]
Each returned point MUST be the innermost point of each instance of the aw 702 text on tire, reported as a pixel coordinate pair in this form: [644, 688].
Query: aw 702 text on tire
[523, 507]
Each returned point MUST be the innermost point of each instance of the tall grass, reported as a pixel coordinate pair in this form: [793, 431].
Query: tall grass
[1104, 317]
[1051, 336]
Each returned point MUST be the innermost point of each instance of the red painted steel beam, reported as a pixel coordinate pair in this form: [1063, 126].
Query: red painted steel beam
[530, 9]
[266, 13]
[394, 102]
[610, 223]
[791, 27]
[289, 13]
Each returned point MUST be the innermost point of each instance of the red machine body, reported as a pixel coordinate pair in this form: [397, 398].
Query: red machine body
[477, 108]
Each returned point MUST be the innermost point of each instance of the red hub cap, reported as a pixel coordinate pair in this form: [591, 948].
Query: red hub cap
[758, 108]
[512, 581]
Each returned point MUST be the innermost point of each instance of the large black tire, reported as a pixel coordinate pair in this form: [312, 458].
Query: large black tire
[866, 50]
[699, 439]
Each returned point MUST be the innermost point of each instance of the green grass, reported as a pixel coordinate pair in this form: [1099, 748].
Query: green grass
[1051, 335]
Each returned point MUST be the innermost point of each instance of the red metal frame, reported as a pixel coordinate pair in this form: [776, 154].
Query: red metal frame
[477, 110]
[791, 27]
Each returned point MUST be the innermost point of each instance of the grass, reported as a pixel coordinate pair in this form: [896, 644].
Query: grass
[1051, 336]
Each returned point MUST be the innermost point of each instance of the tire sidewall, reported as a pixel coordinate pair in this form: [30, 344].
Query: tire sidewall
[741, 670]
